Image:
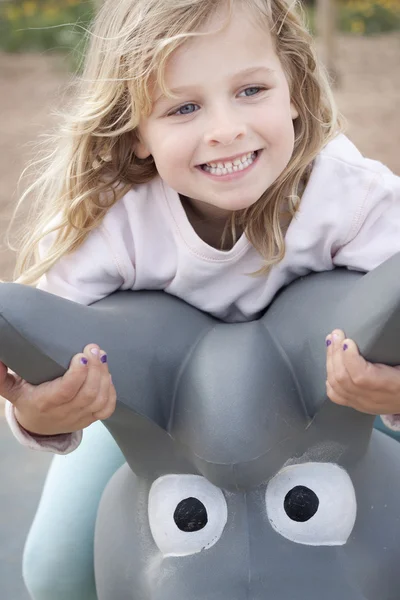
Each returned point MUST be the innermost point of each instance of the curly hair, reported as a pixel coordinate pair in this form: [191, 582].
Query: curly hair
[92, 163]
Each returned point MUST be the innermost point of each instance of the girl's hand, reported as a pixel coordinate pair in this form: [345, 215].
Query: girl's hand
[84, 394]
[352, 381]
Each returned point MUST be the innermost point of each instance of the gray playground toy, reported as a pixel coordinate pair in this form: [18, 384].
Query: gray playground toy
[242, 481]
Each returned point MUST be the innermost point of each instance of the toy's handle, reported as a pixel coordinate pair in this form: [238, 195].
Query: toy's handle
[370, 313]
[147, 336]
[20, 349]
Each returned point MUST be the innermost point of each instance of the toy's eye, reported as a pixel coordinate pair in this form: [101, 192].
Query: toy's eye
[312, 503]
[187, 514]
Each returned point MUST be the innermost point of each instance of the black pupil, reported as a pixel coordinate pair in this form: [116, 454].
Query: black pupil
[190, 515]
[301, 503]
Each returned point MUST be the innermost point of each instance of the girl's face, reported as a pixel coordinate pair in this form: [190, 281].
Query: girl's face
[230, 133]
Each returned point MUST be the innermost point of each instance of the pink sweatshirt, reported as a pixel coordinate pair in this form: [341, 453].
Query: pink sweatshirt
[349, 216]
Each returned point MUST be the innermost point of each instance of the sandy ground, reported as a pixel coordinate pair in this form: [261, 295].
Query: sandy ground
[30, 88]
[369, 95]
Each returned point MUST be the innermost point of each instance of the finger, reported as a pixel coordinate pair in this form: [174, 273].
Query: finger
[356, 366]
[97, 368]
[336, 395]
[11, 384]
[91, 351]
[103, 393]
[64, 389]
[330, 366]
[96, 355]
[329, 359]
[104, 410]
[340, 377]
[369, 377]
[382, 396]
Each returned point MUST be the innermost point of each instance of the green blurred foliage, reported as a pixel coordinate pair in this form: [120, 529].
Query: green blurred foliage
[368, 17]
[39, 25]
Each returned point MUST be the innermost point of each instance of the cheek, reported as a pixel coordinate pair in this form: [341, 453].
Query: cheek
[278, 124]
[171, 158]
[173, 149]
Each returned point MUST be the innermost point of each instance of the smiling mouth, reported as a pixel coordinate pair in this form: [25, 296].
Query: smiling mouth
[228, 167]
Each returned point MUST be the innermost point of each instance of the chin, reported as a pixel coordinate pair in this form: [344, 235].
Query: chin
[243, 205]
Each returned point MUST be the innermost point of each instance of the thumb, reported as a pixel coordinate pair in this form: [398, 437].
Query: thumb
[10, 384]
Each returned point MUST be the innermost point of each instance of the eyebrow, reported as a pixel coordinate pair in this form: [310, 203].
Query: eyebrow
[190, 88]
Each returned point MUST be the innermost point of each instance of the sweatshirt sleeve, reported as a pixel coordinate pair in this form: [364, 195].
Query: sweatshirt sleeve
[103, 264]
[375, 233]
[100, 266]
[58, 444]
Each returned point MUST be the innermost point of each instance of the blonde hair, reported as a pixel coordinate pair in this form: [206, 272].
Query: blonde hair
[93, 163]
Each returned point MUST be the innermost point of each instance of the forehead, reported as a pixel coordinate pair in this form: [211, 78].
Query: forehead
[230, 45]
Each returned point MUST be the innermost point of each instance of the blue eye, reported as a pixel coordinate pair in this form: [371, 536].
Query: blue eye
[186, 109]
[251, 91]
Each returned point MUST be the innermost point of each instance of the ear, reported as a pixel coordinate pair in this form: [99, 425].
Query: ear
[140, 146]
[294, 113]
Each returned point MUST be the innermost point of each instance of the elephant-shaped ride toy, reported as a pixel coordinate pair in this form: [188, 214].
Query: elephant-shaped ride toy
[242, 480]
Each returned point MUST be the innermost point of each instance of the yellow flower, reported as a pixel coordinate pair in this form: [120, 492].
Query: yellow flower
[29, 8]
[50, 11]
[12, 13]
[358, 26]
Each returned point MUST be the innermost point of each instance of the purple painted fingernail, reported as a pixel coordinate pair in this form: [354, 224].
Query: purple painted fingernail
[345, 346]
[328, 342]
[84, 360]
[103, 358]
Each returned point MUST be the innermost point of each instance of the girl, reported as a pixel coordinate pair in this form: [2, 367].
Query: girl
[204, 157]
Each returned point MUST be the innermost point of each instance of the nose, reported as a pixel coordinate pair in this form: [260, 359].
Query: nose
[224, 127]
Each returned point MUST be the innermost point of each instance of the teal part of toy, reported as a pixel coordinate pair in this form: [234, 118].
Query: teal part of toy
[380, 426]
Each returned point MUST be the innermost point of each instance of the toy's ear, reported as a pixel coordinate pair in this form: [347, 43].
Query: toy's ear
[370, 313]
[32, 328]
[147, 336]
[366, 307]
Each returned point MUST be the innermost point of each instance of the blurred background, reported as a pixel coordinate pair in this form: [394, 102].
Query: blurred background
[41, 47]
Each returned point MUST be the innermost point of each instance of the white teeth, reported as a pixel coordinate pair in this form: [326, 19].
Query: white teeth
[238, 164]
